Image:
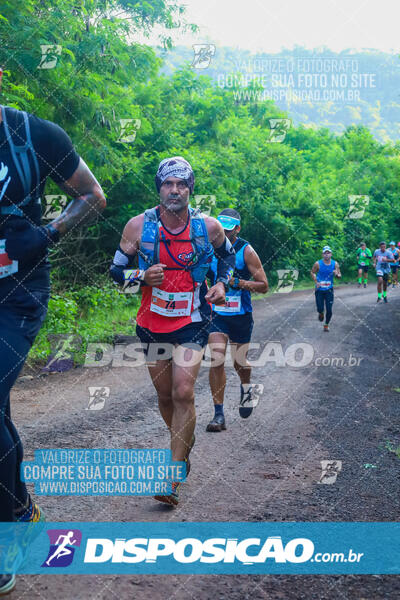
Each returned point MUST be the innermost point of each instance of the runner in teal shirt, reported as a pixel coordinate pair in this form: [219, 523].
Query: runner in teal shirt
[394, 266]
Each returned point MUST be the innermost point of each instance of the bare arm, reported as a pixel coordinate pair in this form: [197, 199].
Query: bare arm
[215, 231]
[314, 271]
[130, 243]
[131, 235]
[216, 235]
[260, 281]
[337, 270]
[89, 200]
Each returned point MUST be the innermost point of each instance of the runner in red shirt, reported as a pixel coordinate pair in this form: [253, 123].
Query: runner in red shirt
[175, 245]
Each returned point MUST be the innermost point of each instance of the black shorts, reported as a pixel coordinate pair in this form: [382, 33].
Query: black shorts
[385, 276]
[194, 335]
[394, 268]
[238, 328]
[364, 268]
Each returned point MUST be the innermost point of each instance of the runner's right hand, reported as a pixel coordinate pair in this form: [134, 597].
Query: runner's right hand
[154, 275]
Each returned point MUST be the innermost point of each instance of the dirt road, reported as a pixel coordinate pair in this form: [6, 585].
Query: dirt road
[264, 468]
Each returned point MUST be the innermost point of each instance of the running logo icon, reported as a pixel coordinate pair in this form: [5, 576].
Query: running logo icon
[50, 54]
[330, 471]
[357, 205]
[63, 543]
[128, 130]
[205, 202]
[286, 279]
[278, 129]
[98, 397]
[54, 205]
[203, 54]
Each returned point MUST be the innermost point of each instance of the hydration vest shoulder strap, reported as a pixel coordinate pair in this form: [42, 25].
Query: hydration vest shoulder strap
[20, 155]
[198, 231]
[150, 240]
[239, 245]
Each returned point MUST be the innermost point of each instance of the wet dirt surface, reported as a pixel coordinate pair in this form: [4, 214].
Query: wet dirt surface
[265, 468]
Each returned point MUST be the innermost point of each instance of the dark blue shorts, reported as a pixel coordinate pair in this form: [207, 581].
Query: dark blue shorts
[22, 311]
[238, 328]
[194, 335]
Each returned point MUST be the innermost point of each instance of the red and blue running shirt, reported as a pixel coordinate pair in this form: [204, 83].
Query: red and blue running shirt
[177, 302]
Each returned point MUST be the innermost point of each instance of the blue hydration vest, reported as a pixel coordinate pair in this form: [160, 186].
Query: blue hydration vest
[203, 250]
[396, 255]
[325, 275]
[239, 297]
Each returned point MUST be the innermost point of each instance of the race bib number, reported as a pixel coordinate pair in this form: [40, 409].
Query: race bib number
[362, 264]
[379, 272]
[171, 304]
[325, 284]
[233, 304]
[7, 266]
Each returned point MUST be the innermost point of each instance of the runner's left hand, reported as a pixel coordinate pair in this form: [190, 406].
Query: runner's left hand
[25, 241]
[216, 294]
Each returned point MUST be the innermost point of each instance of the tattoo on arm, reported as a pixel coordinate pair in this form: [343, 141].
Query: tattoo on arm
[88, 200]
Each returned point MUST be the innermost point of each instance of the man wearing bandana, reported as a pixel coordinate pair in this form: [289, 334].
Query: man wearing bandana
[175, 245]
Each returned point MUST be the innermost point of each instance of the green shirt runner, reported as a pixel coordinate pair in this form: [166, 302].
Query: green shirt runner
[364, 256]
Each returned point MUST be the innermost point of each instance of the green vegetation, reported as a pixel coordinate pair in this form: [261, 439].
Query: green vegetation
[293, 195]
[93, 313]
[372, 75]
[393, 449]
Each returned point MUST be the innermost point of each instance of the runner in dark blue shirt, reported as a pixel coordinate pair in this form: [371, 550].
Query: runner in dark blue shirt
[322, 274]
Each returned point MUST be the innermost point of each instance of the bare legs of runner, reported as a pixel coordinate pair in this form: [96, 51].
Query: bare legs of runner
[174, 381]
[218, 343]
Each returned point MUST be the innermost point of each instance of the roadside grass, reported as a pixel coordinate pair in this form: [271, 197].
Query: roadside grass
[393, 449]
[95, 314]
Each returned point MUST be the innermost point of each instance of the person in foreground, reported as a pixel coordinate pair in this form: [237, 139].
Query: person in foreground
[175, 245]
[31, 149]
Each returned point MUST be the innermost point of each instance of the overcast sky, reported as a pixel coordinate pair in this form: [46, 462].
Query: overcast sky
[269, 25]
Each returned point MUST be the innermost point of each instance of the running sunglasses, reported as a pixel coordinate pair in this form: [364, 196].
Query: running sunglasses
[228, 222]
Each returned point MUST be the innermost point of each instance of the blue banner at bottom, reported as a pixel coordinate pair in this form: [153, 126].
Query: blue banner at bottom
[200, 548]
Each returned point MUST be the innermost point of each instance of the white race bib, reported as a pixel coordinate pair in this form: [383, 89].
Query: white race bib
[171, 304]
[233, 304]
[7, 266]
[324, 284]
[362, 264]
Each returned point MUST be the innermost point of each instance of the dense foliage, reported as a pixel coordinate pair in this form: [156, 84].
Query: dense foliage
[293, 195]
[361, 86]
